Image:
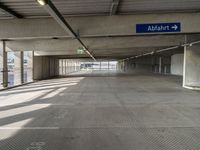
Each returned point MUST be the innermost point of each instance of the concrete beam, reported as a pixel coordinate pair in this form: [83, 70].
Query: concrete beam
[10, 11]
[97, 43]
[93, 25]
[58, 17]
[122, 51]
[134, 50]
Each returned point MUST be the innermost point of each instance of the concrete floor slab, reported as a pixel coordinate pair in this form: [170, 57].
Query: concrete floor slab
[101, 112]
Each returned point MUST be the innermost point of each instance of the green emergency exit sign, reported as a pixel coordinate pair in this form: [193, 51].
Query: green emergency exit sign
[80, 51]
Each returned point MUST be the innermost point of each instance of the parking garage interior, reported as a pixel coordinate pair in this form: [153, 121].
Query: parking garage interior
[99, 75]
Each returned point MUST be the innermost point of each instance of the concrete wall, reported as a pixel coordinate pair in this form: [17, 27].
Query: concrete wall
[177, 64]
[143, 64]
[156, 63]
[45, 67]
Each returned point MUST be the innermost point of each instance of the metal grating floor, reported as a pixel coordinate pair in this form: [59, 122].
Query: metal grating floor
[101, 113]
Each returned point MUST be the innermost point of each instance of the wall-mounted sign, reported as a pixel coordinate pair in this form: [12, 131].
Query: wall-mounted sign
[80, 51]
[158, 27]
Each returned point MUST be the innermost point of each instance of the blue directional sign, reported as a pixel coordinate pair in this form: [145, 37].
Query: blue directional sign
[158, 27]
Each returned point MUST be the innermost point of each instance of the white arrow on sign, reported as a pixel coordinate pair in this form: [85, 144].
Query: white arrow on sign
[175, 27]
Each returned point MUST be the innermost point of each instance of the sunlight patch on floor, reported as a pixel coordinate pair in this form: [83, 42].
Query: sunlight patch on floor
[22, 110]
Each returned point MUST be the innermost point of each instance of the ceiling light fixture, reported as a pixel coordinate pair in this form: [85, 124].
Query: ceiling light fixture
[42, 2]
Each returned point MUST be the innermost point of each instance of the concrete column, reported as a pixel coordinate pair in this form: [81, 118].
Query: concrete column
[125, 66]
[191, 68]
[92, 65]
[60, 66]
[160, 65]
[121, 66]
[18, 68]
[64, 66]
[76, 66]
[30, 68]
[3, 65]
[117, 66]
[63, 71]
[67, 66]
[70, 64]
[52, 67]
[165, 69]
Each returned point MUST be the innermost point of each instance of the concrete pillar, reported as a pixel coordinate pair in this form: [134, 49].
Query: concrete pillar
[18, 68]
[52, 68]
[117, 66]
[74, 67]
[63, 71]
[60, 66]
[70, 64]
[69, 69]
[92, 66]
[108, 65]
[67, 66]
[191, 68]
[3, 65]
[160, 65]
[76, 64]
[30, 68]
[121, 66]
[64, 66]
[63, 63]
[125, 66]
[165, 69]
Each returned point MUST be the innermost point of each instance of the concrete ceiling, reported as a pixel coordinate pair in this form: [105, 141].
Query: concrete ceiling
[105, 36]
[30, 8]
